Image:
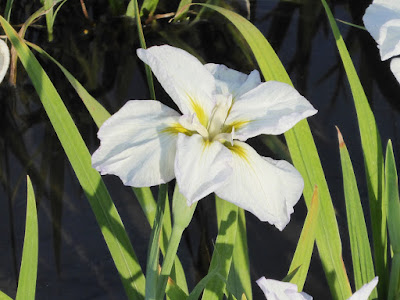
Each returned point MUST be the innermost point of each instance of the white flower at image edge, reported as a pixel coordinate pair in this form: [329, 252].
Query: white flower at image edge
[279, 290]
[382, 20]
[4, 59]
[147, 143]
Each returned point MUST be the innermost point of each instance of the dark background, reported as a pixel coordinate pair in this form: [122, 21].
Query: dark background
[100, 52]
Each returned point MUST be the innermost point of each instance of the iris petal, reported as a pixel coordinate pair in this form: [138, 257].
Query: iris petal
[265, 187]
[138, 144]
[183, 77]
[201, 166]
[271, 108]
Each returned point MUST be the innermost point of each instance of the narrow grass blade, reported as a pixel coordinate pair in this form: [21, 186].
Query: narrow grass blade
[373, 158]
[239, 281]
[148, 7]
[48, 6]
[4, 296]
[153, 253]
[28, 272]
[305, 158]
[182, 9]
[106, 214]
[301, 259]
[212, 275]
[363, 266]
[142, 41]
[7, 11]
[391, 199]
[222, 255]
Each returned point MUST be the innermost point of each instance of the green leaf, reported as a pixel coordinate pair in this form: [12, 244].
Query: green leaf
[106, 214]
[7, 14]
[182, 9]
[222, 255]
[239, 281]
[28, 272]
[391, 199]
[142, 41]
[4, 296]
[305, 158]
[373, 158]
[154, 244]
[363, 266]
[183, 214]
[148, 7]
[301, 259]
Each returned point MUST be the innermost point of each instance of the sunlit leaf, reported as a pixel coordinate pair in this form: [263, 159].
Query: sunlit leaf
[28, 272]
[302, 256]
[373, 158]
[363, 266]
[239, 281]
[222, 255]
[391, 199]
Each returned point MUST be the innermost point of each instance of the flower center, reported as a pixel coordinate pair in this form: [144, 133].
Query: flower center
[218, 115]
[213, 132]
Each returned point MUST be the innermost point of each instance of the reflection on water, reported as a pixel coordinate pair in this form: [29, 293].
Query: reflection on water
[74, 262]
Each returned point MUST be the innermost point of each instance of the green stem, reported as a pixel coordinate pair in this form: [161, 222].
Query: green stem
[169, 259]
[154, 245]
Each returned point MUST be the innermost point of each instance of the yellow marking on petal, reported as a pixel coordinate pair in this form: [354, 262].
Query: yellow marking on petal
[239, 151]
[235, 124]
[199, 111]
[177, 128]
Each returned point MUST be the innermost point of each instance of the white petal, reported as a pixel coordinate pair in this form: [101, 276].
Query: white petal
[229, 81]
[200, 166]
[271, 108]
[4, 59]
[366, 290]
[382, 20]
[265, 187]
[137, 145]
[395, 67]
[183, 77]
[279, 290]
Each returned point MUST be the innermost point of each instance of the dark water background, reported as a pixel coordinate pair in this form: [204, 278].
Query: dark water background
[74, 262]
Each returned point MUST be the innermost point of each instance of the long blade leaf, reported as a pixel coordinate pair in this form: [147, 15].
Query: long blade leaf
[222, 255]
[363, 266]
[373, 158]
[28, 272]
[302, 256]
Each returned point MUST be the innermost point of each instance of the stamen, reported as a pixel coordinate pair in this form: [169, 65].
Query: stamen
[191, 122]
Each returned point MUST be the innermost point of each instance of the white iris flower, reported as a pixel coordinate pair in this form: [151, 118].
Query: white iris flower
[382, 20]
[4, 59]
[147, 143]
[279, 290]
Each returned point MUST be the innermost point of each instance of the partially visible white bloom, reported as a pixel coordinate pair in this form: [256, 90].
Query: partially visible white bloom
[279, 290]
[4, 59]
[382, 20]
[147, 143]
[366, 290]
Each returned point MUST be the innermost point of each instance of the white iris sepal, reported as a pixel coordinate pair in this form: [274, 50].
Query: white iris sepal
[4, 59]
[147, 143]
[279, 290]
[382, 20]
